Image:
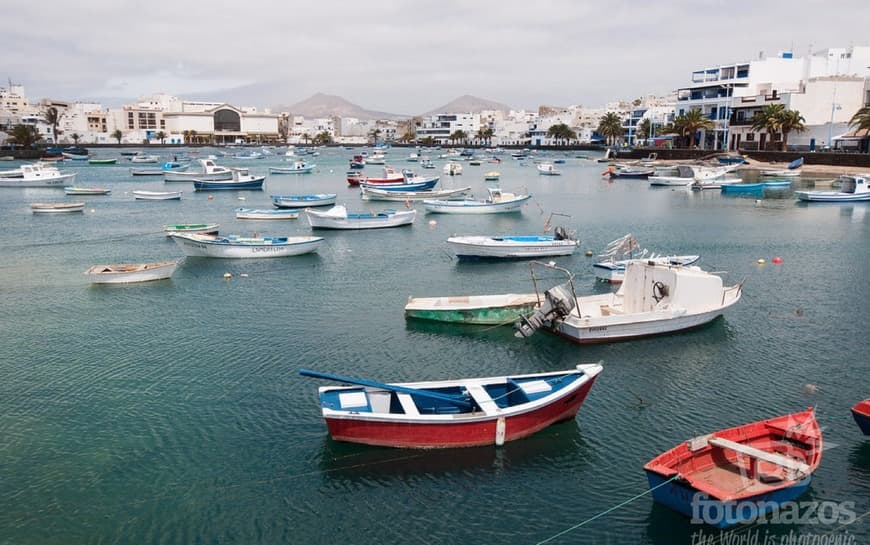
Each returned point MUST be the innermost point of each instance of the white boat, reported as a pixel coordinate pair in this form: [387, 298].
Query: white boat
[376, 158]
[131, 272]
[236, 247]
[303, 201]
[497, 203]
[199, 228]
[143, 195]
[452, 169]
[502, 309]
[57, 207]
[298, 167]
[654, 299]
[625, 249]
[413, 158]
[339, 218]
[792, 170]
[547, 169]
[373, 194]
[685, 176]
[209, 171]
[37, 175]
[492, 176]
[852, 189]
[270, 214]
[72, 190]
[714, 184]
[143, 158]
[169, 166]
[514, 246]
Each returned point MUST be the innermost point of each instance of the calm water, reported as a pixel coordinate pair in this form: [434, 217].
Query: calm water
[171, 412]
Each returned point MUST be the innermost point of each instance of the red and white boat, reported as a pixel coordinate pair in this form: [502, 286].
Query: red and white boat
[390, 176]
[452, 413]
[737, 474]
[861, 414]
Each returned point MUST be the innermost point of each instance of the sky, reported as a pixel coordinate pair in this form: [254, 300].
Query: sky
[400, 56]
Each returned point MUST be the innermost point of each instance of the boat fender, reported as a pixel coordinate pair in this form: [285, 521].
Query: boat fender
[660, 291]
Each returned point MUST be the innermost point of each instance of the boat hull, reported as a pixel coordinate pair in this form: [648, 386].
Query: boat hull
[57, 208]
[278, 214]
[503, 248]
[193, 247]
[367, 221]
[861, 414]
[456, 433]
[475, 310]
[831, 196]
[60, 180]
[303, 201]
[157, 195]
[216, 185]
[126, 274]
[475, 207]
[171, 176]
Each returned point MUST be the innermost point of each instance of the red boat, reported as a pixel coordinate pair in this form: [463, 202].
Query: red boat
[861, 413]
[738, 474]
[390, 176]
[452, 413]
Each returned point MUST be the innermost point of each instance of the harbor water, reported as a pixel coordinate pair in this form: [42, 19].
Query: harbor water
[171, 412]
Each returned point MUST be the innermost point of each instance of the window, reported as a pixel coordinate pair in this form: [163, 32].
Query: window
[750, 136]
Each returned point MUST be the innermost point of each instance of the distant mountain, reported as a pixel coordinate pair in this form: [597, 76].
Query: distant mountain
[322, 105]
[469, 104]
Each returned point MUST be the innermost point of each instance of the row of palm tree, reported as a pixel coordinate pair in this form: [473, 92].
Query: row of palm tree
[861, 120]
[775, 119]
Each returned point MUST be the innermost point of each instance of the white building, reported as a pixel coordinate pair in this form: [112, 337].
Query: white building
[222, 124]
[440, 127]
[717, 90]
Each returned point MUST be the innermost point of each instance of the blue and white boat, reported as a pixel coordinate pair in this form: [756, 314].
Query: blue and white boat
[423, 184]
[339, 218]
[238, 181]
[497, 203]
[236, 247]
[852, 189]
[514, 246]
[267, 214]
[169, 166]
[303, 201]
[755, 188]
[297, 167]
[793, 169]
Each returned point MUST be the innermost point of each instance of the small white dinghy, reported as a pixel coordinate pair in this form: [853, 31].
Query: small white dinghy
[338, 217]
[142, 195]
[131, 272]
[245, 247]
[262, 214]
[514, 246]
[57, 207]
[498, 202]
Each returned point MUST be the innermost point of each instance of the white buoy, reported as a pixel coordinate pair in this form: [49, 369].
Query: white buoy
[432, 223]
[244, 275]
[228, 275]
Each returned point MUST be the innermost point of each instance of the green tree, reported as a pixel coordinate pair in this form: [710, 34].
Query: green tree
[769, 119]
[193, 137]
[428, 141]
[485, 134]
[644, 129]
[322, 138]
[561, 131]
[75, 136]
[691, 122]
[186, 136]
[161, 136]
[791, 121]
[24, 135]
[374, 134]
[458, 136]
[118, 135]
[861, 119]
[52, 117]
[610, 127]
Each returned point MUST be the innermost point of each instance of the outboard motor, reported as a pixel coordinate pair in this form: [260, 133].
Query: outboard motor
[559, 233]
[558, 302]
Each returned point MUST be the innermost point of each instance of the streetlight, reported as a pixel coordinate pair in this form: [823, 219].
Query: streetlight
[834, 108]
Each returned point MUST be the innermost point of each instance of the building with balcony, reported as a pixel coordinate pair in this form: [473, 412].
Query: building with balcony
[440, 127]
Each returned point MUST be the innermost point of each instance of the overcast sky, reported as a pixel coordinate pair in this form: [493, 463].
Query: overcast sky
[401, 56]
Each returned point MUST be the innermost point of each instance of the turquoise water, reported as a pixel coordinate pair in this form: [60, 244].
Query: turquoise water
[171, 412]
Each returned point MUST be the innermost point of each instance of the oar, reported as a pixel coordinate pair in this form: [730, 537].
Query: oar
[390, 387]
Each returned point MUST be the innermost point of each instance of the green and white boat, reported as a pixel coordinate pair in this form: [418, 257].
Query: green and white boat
[188, 228]
[502, 309]
[102, 161]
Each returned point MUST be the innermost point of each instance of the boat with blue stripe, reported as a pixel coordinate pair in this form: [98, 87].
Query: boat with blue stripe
[303, 201]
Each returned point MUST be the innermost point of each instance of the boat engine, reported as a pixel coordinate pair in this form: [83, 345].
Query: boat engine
[560, 234]
[558, 302]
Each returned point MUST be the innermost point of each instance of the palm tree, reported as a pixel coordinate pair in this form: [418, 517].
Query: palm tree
[791, 121]
[561, 131]
[373, 134]
[118, 135]
[458, 135]
[692, 122]
[161, 136]
[24, 135]
[644, 129]
[75, 136]
[193, 138]
[186, 136]
[52, 117]
[610, 127]
[861, 119]
[769, 119]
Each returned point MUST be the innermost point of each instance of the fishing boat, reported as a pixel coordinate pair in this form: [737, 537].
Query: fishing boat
[424, 184]
[756, 187]
[503, 309]
[427, 163]
[390, 176]
[181, 228]
[338, 217]
[56, 207]
[236, 247]
[237, 182]
[73, 190]
[270, 214]
[626, 248]
[37, 175]
[498, 202]
[357, 162]
[861, 414]
[852, 189]
[514, 246]
[143, 195]
[208, 171]
[303, 201]
[376, 158]
[452, 169]
[451, 413]
[74, 156]
[169, 166]
[144, 158]
[492, 176]
[654, 299]
[374, 194]
[131, 272]
[726, 159]
[687, 174]
[792, 170]
[716, 183]
[629, 172]
[95, 161]
[297, 167]
[737, 474]
[547, 169]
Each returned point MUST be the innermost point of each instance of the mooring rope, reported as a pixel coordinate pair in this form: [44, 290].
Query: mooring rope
[614, 508]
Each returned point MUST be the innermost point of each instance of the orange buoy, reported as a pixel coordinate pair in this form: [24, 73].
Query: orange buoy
[777, 260]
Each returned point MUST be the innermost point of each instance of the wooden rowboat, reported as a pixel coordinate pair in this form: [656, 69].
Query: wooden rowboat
[132, 272]
[501, 309]
[56, 207]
